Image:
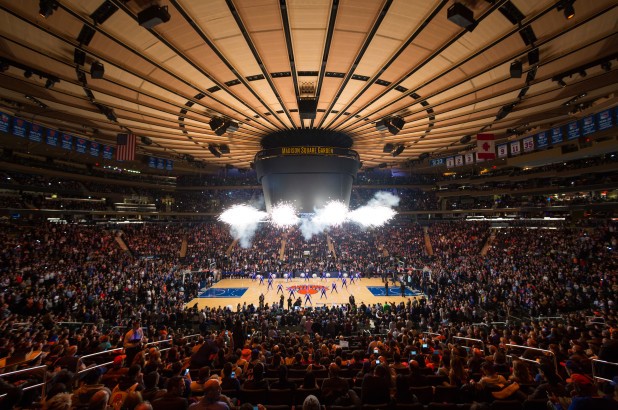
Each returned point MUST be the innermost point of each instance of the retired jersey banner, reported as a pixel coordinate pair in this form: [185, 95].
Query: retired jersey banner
[556, 135]
[67, 141]
[503, 151]
[450, 162]
[5, 122]
[95, 148]
[459, 161]
[605, 120]
[589, 125]
[152, 162]
[36, 133]
[528, 143]
[20, 127]
[52, 137]
[436, 162]
[470, 158]
[169, 164]
[541, 140]
[515, 148]
[160, 163]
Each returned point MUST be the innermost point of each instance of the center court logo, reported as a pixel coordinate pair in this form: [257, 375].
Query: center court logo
[304, 289]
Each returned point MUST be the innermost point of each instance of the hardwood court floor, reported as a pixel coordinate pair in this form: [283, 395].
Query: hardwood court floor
[254, 289]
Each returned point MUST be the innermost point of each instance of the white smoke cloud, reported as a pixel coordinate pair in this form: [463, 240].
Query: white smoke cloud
[244, 221]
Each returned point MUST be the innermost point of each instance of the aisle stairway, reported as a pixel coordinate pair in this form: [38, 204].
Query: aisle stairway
[231, 247]
[490, 241]
[183, 247]
[121, 242]
[284, 242]
[331, 246]
[428, 247]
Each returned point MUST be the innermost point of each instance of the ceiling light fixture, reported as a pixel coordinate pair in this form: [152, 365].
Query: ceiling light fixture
[462, 16]
[47, 8]
[561, 83]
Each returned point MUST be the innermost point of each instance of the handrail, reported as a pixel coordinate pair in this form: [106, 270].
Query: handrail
[548, 317]
[523, 359]
[594, 376]
[431, 333]
[29, 369]
[101, 353]
[538, 350]
[469, 338]
[87, 369]
[158, 341]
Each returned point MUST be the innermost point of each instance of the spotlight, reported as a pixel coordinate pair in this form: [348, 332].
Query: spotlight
[462, 16]
[28, 73]
[49, 83]
[400, 148]
[4, 65]
[79, 57]
[607, 65]
[224, 149]
[47, 8]
[569, 12]
[388, 148]
[214, 151]
[153, 16]
[382, 125]
[561, 83]
[517, 69]
[583, 73]
[232, 126]
[97, 70]
[85, 35]
[465, 139]
[215, 123]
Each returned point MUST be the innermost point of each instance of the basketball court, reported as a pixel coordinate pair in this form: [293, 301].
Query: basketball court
[231, 292]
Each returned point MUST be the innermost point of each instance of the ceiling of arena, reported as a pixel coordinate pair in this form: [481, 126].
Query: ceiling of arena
[250, 61]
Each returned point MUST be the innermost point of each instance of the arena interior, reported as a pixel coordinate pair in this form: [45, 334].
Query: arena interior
[316, 205]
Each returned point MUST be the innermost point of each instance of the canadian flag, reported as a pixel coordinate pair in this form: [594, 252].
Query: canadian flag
[485, 146]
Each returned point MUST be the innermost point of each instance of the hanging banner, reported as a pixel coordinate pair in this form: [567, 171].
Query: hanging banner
[20, 127]
[95, 148]
[108, 152]
[503, 151]
[573, 131]
[36, 133]
[515, 148]
[160, 163]
[67, 141]
[528, 143]
[152, 162]
[450, 162]
[605, 120]
[541, 140]
[5, 122]
[459, 161]
[469, 158]
[169, 165]
[556, 135]
[589, 125]
[80, 145]
[52, 137]
[436, 162]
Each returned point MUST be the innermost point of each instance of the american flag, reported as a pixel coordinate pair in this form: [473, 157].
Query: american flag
[125, 147]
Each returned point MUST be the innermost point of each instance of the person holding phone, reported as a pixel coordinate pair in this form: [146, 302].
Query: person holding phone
[229, 381]
[132, 342]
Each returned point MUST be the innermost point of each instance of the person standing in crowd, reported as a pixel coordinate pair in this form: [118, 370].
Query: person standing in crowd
[133, 341]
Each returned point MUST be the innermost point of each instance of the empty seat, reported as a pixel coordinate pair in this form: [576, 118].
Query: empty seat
[424, 394]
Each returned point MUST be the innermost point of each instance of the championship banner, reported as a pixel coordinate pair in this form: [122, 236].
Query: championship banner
[160, 163]
[169, 165]
[515, 148]
[450, 162]
[152, 162]
[573, 131]
[436, 162]
[589, 125]
[459, 161]
[108, 152]
[5, 122]
[80, 145]
[541, 140]
[20, 127]
[605, 120]
[36, 133]
[67, 141]
[95, 148]
[556, 135]
[503, 151]
[528, 143]
[52, 137]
